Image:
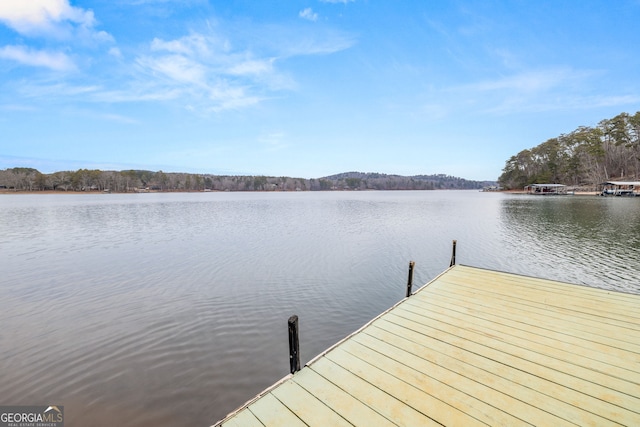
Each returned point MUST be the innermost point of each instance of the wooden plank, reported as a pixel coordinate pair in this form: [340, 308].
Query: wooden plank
[442, 386]
[538, 343]
[441, 411]
[549, 397]
[600, 312]
[243, 418]
[310, 408]
[542, 309]
[489, 322]
[504, 408]
[478, 275]
[601, 302]
[383, 402]
[519, 358]
[349, 407]
[272, 413]
[613, 338]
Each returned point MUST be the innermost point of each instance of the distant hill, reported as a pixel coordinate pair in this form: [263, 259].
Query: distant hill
[27, 179]
[381, 181]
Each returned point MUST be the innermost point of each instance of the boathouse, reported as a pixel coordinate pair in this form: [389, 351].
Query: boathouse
[620, 188]
[473, 347]
[546, 189]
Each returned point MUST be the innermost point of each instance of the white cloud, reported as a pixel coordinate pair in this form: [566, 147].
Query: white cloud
[316, 44]
[188, 45]
[611, 101]
[138, 93]
[226, 97]
[530, 81]
[309, 14]
[201, 71]
[205, 72]
[177, 68]
[33, 15]
[51, 18]
[544, 90]
[114, 51]
[255, 67]
[57, 61]
[51, 91]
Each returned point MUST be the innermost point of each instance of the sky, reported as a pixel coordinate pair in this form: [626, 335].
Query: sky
[308, 88]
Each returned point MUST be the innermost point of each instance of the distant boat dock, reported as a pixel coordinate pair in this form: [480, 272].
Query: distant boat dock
[620, 188]
[472, 347]
[546, 189]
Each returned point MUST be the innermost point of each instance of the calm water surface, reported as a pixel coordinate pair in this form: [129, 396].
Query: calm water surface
[171, 309]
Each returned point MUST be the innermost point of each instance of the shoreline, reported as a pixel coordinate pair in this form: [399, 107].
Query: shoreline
[62, 192]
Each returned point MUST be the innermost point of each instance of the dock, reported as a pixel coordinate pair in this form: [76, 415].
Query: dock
[472, 347]
[546, 189]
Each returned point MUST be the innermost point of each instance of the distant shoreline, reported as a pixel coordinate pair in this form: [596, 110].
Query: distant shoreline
[69, 192]
[94, 192]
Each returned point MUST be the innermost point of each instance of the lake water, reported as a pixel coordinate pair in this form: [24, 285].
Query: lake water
[171, 309]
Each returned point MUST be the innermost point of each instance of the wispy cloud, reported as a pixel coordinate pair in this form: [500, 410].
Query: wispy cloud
[565, 102]
[529, 90]
[530, 81]
[533, 91]
[308, 14]
[253, 67]
[115, 52]
[175, 68]
[57, 90]
[193, 44]
[56, 61]
[213, 75]
[221, 67]
[317, 45]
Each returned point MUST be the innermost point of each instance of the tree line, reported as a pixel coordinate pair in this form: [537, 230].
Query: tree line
[29, 179]
[585, 157]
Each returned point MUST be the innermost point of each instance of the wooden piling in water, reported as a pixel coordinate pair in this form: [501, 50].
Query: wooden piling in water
[294, 344]
[410, 279]
[453, 255]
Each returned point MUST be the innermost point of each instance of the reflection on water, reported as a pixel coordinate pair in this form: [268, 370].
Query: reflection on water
[587, 240]
[171, 309]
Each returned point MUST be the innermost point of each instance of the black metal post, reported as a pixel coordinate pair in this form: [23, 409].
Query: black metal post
[410, 279]
[453, 255]
[294, 344]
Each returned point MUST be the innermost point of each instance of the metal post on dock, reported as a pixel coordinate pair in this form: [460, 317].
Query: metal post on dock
[410, 279]
[294, 345]
[453, 255]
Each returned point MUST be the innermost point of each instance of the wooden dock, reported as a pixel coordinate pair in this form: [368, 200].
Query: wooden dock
[472, 347]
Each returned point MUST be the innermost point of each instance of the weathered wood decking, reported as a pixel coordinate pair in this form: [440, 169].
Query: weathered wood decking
[473, 347]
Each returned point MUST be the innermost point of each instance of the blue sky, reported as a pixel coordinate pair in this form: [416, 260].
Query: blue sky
[307, 88]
